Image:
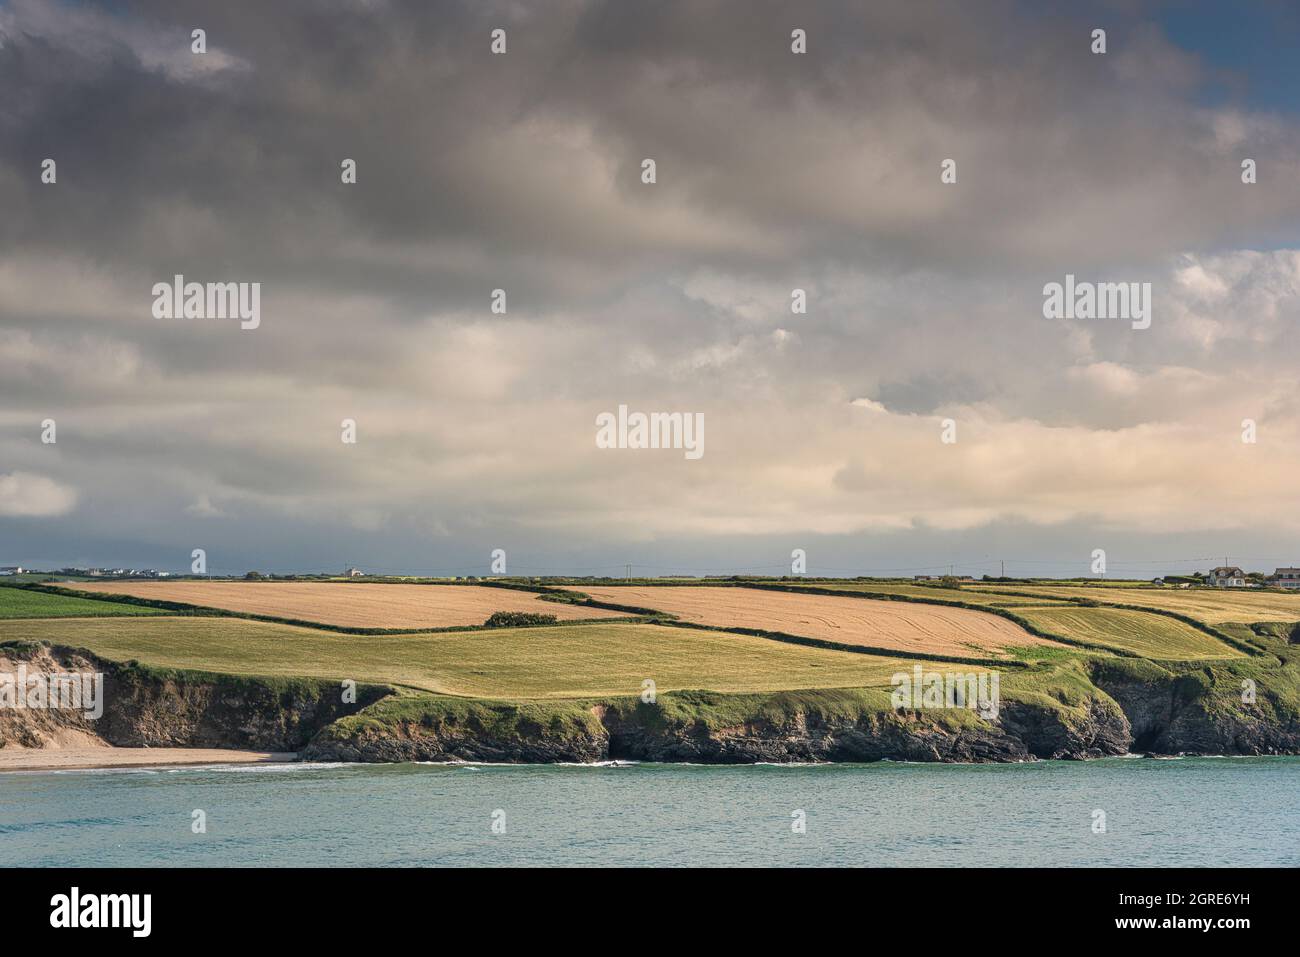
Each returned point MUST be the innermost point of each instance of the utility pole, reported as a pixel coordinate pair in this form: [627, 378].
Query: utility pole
[629, 571]
[1004, 569]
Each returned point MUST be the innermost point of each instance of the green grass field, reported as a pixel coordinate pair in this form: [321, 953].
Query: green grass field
[1211, 606]
[572, 661]
[1148, 635]
[20, 603]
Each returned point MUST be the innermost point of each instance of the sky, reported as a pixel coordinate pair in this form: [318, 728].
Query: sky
[921, 415]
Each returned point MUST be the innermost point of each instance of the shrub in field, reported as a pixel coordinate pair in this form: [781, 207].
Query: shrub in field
[518, 619]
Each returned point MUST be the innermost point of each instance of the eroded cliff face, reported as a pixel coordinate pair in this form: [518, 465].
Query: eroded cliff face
[43, 727]
[410, 742]
[790, 732]
[146, 707]
[1200, 712]
[1020, 733]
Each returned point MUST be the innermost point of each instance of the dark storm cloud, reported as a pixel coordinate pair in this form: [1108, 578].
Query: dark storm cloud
[533, 157]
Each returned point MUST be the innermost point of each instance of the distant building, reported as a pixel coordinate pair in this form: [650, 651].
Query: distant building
[1157, 581]
[355, 573]
[1285, 578]
[11, 570]
[1226, 576]
[923, 578]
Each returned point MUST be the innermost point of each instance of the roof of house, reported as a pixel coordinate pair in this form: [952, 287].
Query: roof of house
[1227, 571]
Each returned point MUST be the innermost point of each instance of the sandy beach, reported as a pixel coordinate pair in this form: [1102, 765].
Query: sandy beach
[67, 759]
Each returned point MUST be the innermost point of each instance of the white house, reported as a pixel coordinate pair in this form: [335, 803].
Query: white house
[1285, 578]
[1226, 576]
[355, 573]
[11, 570]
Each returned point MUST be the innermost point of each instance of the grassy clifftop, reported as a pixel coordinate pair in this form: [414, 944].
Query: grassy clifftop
[1055, 712]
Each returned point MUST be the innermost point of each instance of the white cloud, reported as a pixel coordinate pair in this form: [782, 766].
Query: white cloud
[23, 494]
[203, 508]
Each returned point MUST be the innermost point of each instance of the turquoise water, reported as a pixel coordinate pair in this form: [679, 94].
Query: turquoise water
[1193, 811]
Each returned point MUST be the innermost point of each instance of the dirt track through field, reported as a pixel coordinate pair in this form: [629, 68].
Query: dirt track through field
[894, 625]
[351, 605]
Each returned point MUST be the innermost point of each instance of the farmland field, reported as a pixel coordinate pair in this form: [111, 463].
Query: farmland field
[1211, 606]
[555, 662]
[21, 603]
[893, 625]
[929, 592]
[360, 605]
[1151, 636]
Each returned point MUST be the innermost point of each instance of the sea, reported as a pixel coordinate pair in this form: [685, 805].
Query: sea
[1116, 812]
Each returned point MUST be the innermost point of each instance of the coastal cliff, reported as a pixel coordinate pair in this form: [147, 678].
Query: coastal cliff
[156, 707]
[1205, 710]
[703, 727]
[1074, 710]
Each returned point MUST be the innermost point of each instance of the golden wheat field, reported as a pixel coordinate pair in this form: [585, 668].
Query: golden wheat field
[894, 625]
[359, 605]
